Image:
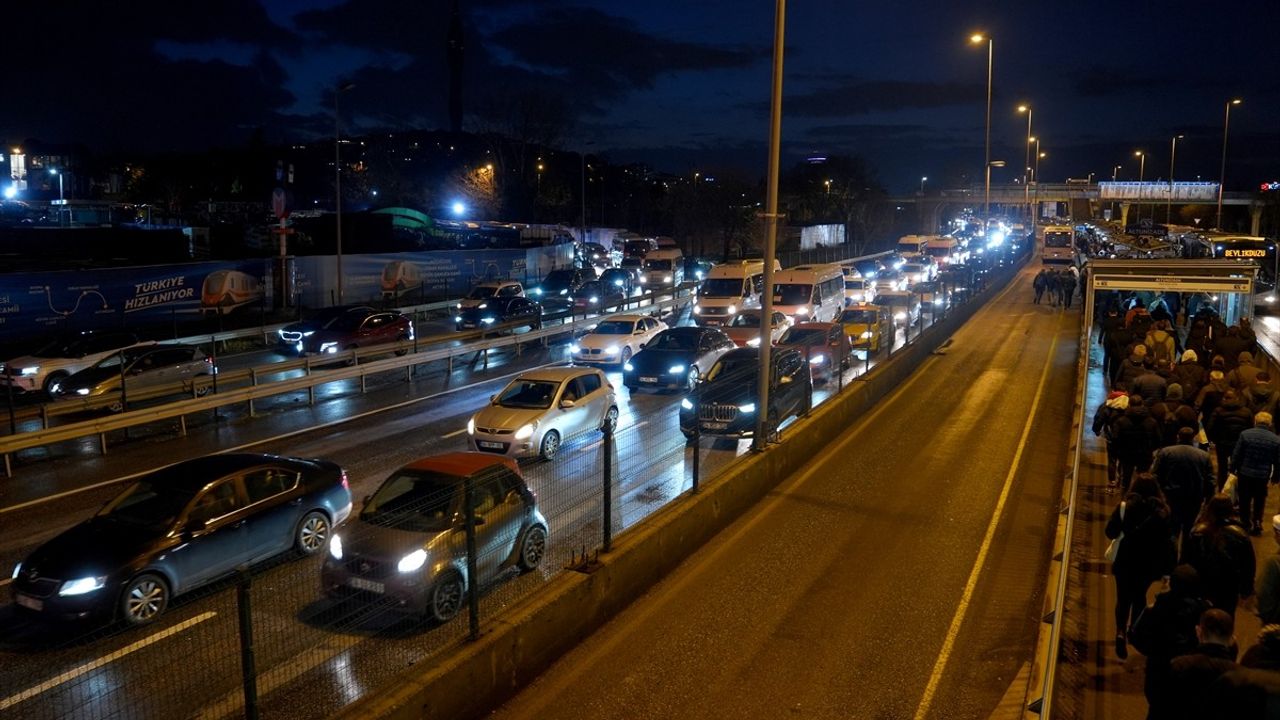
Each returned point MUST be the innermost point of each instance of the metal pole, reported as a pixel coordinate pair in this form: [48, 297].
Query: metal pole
[759, 439]
[473, 587]
[583, 156]
[1026, 165]
[1168, 200]
[606, 522]
[986, 195]
[697, 446]
[1222, 175]
[13, 418]
[247, 669]
[337, 181]
[124, 397]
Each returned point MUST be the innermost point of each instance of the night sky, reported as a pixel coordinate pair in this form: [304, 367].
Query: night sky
[678, 85]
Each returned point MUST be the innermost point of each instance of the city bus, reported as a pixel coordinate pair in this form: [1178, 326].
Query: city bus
[810, 293]
[729, 289]
[1058, 245]
[1251, 249]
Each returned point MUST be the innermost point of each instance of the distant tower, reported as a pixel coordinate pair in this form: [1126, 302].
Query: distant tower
[455, 69]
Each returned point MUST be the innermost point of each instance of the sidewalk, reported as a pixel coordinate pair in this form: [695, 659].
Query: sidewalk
[1093, 681]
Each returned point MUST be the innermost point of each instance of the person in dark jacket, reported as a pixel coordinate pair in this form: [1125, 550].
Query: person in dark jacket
[1174, 414]
[1185, 474]
[1164, 631]
[1220, 551]
[1245, 373]
[1104, 419]
[1150, 385]
[1192, 676]
[1224, 427]
[1230, 346]
[1136, 437]
[1265, 654]
[1190, 374]
[1262, 396]
[1051, 286]
[1210, 396]
[1254, 461]
[1268, 582]
[1198, 342]
[1134, 364]
[1038, 285]
[1115, 339]
[1146, 551]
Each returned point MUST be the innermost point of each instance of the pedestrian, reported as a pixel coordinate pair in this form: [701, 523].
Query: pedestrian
[1160, 343]
[1134, 365]
[1185, 474]
[1039, 284]
[1067, 282]
[1254, 460]
[1247, 334]
[1223, 428]
[1245, 373]
[1136, 437]
[1104, 418]
[1230, 346]
[1138, 308]
[1051, 286]
[1150, 385]
[1146, 553]
[1198, 340]
[1268, 585]
[1211, 395]
[1221, 552]
[1174, 414]
[1190, 374]
[1116, 337]
[1265, 653]
[1165, 630]
[1263, 396]
[1192, 676]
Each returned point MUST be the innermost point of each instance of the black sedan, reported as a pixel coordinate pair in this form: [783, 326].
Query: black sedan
[179, 528]
[622, 279]
[676, 358]
[291, 335]
[725, 404]
[506, 312]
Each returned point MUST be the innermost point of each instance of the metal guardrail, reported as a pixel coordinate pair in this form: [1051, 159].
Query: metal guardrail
[101, 426]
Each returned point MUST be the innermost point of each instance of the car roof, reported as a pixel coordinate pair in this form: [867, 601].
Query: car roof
[814, 326]
[496, 283]
[624, 318]
[192, 475]
[556, 374]
[461, 464]
[862, 306]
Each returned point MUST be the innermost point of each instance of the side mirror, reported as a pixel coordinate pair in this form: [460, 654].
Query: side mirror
[365, 500]
[784, 380]
[638, 332]
[566, 404]
[493, 399]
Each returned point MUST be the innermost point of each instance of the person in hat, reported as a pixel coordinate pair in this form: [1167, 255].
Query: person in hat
[1190, 374]
[1245, 373]
[1224, 426]
[1131, 368]
[1185, 474]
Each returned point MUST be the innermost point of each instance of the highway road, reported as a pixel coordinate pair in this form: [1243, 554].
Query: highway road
[898, 576]
[313, 655]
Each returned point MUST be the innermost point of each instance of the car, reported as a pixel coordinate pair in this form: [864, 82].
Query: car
[357, 330]
[903, 306]
[593, 295]
[676, 358]
[495, 288]
[408, 544]
[726, 403]
[291, 335]
[696, 268]
[615, 339]
[744, 328]
[511, 312]
[933, 296]
[557, 288]
[541, 410]
[621, 278]
[920, 270]
[858, 289]
[58, 359]
[593, 254]
[145, 366]
[825, 345]
[867, 326]
[179, 528]
[889, 280]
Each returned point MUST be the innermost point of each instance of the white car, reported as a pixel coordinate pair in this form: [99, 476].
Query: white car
[60, 359]
[494, 288]
[540, 410]
[616, 339]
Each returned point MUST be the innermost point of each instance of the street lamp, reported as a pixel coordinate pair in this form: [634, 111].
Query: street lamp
[1168, 201]
[828, 184]
[759, 438]
[1035, 177]
[977, 39]
[1026, 163]
[923, 180]
[61, 199]
[1222, 176]
[337, 173]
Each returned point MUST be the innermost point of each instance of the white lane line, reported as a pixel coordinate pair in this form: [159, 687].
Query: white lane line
[953, 632]
[6, 581]
[453, 434]
[233, 702]
[105, 659]
[283, 436]
[596, 443]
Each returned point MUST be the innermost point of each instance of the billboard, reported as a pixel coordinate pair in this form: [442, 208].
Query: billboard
[1206, 192]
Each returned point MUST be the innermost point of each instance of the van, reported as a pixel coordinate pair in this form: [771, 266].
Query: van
[810, 293]
[639, 247]
[945, 250]
[662, 268]
[729, 289]
[912, 244]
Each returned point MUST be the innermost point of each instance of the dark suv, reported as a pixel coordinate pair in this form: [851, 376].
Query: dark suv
[557, 288]
[356, 329]
[725, 404]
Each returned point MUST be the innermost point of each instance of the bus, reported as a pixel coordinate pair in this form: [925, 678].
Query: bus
[810, 293]
[945, 250]
[913, 244]
[1058, 245]
[1251, 249]
[729, 289]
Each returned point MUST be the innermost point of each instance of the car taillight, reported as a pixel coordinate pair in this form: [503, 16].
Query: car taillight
[208, 359]
[345, 484]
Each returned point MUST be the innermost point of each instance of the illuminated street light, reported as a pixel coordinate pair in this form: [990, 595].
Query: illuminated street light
[1168, 201]
[1026, 163]
[1222, 176]
[458, 208]
[977, 39]
[337, 173]
[923, 180]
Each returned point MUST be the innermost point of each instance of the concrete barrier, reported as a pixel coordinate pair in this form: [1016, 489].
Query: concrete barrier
[472, 678]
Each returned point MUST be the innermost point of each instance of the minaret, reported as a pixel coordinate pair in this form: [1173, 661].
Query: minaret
[455, 69]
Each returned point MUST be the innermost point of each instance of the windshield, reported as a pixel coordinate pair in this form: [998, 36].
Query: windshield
[412, 500]
[113, 360]
[674, 341]
[858, 317]
[804, 336]
[62, 349]
[347, 322]
[589, 288]
[913, 268]
[887, 299]
[147, 504]
[852, 284]
[925, 287]
[657, 264]
[746, 319]
[792, 294]
[1057, 239]
[481, 292]
[738, 368]
[614, 327]
[535, 394]
[721, 287]
[638, 247]
[939, 251]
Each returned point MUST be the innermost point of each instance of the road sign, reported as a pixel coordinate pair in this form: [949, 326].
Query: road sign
[278, 204]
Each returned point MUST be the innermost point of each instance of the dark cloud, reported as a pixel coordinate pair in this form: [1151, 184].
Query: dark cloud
[868, 96]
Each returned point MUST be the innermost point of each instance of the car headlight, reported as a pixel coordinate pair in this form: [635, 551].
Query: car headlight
[666, 279]
[697, 309]
[575, 349]
[81, 586]
[564, 292]
[732, 310]
[817, 359]
[937, 301]
[866, 335]
[458, 306]
[684, 403]
[82, 391]
[309, 333]
[413, 561]
[329, 347]
[335, 547]
[675, 369]
[628, 367]
[802, 311]
[754, 342]
[526, 431]
[279, 333]
[457, 319]
[593, 299]
[17, 569]
[471, 426]
[618, 282]
[899, 316]
[748, 408]
[536, 291]
[1271, 298]
[611, 350]
[29, 371]
[482, 306]
[487, 321]
[643, 279]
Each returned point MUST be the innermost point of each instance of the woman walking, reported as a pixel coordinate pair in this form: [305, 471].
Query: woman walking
[1146, 551]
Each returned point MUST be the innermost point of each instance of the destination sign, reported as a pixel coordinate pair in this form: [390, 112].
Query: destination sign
[1244, 253]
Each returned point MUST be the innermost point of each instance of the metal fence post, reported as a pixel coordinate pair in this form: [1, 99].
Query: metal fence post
[13, 417]
[607, 520]
[311, 389]
[124, 395]
[247, 669]
[253, 380]
[697, 446]
[473, 587]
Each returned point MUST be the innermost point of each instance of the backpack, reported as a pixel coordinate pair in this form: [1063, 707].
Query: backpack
[1142, 322]
[1159, 346]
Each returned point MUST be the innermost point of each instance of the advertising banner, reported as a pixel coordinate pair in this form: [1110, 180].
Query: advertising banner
[1206, 192]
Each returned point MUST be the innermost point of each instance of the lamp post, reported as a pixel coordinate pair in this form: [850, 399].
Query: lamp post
[759, 438]
[977, 39]
[337, 173]
[923, 180]
[1142, 169]
[1222, 176]
[1026, 162]
[1035, 175]
[62, 201]
[1168, 200]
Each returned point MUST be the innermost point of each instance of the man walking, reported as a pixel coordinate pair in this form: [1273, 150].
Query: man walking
[1254, 460]
[1185, 474]
[1269, 581]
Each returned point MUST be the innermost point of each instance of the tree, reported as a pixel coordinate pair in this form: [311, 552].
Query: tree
[844, 190]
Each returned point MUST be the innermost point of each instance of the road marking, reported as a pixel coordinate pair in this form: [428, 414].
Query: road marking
[5, 581]
[453, 434]
[953, 632]
[291, 433]
[270, 680]
[105, 659]
[597, 443]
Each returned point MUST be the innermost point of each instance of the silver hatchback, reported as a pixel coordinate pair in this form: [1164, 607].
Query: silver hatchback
[540, 410]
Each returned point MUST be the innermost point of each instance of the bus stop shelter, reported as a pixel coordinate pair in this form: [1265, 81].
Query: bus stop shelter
[1184, 285]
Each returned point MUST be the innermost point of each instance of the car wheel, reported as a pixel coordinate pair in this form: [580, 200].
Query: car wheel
[202, 390]
[626, 355]
[353, 360]
[691, 381]
[610, 419]
[53, 379]
[771, 420]
[401, 352]
[550, 445]
[533, 547]
[311, 534]
[116, 407]
[144, 598]
[445, 599]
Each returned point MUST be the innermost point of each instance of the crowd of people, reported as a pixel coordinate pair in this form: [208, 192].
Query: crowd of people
[1061, 285]
[1191, 450]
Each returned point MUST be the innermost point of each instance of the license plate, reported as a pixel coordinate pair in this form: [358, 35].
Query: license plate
[30, 603]
[648, 379]
[489, 445]
[714, 425]
[371, 586]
